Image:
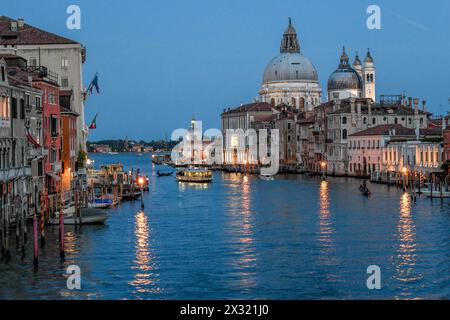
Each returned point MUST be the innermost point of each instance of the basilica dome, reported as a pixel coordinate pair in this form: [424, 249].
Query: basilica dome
[345, 77]
[290, 67]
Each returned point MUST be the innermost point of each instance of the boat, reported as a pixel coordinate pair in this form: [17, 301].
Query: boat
[435, 193]
[266, 177]
[101, 203]
[164, 174]
[196, 175]
[113, 152]
[364, 190]
[140, 154]
[129, 195]
[89, 216]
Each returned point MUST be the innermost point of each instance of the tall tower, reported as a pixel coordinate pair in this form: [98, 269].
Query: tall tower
[369, 77]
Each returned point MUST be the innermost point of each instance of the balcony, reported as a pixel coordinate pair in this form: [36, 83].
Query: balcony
[14, 173]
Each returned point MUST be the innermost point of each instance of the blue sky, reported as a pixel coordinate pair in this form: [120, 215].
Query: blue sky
[160, 62]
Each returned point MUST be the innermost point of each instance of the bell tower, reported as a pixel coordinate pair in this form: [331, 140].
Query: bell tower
[369, 77]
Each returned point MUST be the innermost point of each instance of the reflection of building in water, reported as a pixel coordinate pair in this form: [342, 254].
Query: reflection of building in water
[406, 252]
[146, 277]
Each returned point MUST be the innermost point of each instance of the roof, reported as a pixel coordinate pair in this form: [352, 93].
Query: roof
[251, 107]
[28, 34]
[385, 130]
[377, 109]
[308, 120]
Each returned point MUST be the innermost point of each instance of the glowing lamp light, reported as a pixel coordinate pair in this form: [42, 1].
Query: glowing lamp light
[323, 164]
[88, 162]
[141, 180]
[405, 170]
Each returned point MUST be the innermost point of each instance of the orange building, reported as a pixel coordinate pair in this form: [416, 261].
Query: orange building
[68, 147]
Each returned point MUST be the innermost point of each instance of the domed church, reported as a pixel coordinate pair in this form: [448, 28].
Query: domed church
[290, 78]
[355, 81]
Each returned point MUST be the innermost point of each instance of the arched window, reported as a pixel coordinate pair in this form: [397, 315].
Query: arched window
[344, 134]
[293, 102]
[374, 121]
[396, 120]
[365, 120]
[272, 102]
[344, 120]
[302, 104]
[371, 77]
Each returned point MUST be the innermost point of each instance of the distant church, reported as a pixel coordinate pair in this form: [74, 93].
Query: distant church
[291, 78]
[355, 81]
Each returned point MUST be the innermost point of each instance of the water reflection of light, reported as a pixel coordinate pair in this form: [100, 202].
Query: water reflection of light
[406, 253]
[241, 228]
[192, 185]
[326, 230]
[145, 278]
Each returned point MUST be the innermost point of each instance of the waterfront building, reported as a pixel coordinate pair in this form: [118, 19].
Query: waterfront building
[446, 134]
[51, 126]
[100, 148]
[290, 77]
[285, 123]
[21, 154]
[414, 157]
[353, 115]
[305, 142]
[69, 159]
[60, 55]
[239, 120]
[355, 81]
[365, 148]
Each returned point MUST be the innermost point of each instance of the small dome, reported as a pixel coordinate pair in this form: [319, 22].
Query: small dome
[290, 67]
[369, 58]
[345, 77]
[357, 61]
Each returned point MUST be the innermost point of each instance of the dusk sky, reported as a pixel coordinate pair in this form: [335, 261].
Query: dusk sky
[161, 62]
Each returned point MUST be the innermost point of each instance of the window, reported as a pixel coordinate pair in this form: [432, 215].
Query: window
[289, 138]
[3, 74]
[374, 121]
[38, 102]
[64, 82]
[344, 134]
[396, 120]
[344, 120]
[64, 63]
[14, 108]
[365, 120]
[289, 126]
[33, 62]
[51, 98]
[22, 109]
[54, 125]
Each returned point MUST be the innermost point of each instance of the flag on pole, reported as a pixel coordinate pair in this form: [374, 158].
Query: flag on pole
[94, 122]
[94, 84]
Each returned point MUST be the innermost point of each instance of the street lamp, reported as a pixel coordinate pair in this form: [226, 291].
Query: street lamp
[323, 165]
[141, 185]
[405, 173]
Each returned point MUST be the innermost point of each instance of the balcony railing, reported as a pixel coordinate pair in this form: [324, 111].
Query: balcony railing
[13, 173]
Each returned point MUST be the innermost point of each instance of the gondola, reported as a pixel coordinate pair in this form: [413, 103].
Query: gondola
[364, 190]
[164, 174]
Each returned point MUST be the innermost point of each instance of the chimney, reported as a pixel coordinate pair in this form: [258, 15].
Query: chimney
[424, 106]
[20, 23]
[416, 104]
[13, 25]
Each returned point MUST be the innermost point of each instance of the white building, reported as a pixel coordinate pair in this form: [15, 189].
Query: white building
[60, 55]
[290, 77]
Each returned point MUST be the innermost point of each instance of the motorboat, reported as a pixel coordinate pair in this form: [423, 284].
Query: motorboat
[196, 175]
[89, 216]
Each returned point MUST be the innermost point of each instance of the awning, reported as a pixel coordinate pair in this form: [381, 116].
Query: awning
[32, 140]
[54, 176]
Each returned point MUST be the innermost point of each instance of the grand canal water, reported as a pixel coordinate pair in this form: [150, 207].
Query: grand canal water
[244, 238]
